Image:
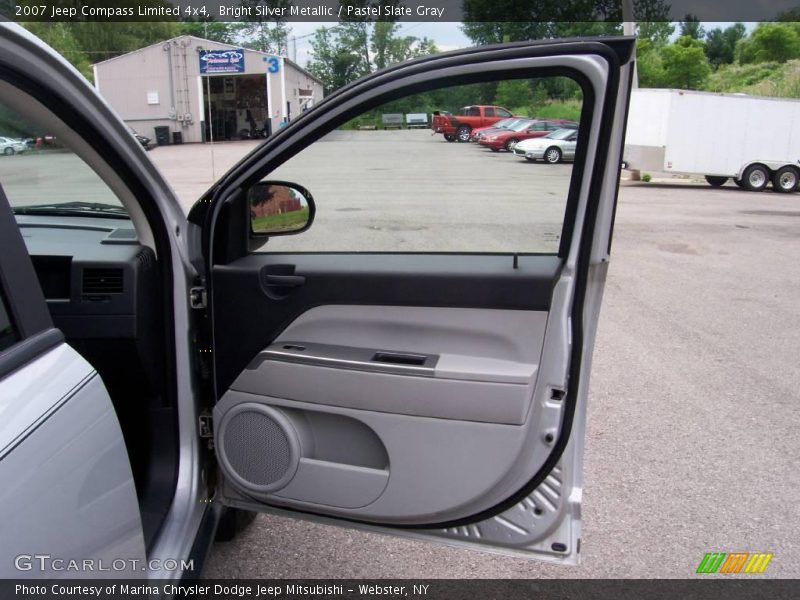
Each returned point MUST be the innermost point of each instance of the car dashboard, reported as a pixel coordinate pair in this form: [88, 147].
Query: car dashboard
[96, 277]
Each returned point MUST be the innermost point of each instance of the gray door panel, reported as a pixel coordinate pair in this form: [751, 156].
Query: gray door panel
[461, 425]
[435, 467]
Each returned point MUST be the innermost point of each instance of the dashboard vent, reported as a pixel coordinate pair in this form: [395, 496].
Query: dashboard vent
[102, 281]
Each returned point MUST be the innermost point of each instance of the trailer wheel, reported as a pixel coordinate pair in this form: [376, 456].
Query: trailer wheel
[463, 133]
[755, 178]
[716, 181]
[449, 137]
[785, 180]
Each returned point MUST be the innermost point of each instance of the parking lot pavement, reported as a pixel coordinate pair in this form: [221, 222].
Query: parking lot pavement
[694, 407]
[192, 168]
[402, 190]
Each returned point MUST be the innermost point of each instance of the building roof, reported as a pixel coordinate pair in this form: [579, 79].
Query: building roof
[214, 44]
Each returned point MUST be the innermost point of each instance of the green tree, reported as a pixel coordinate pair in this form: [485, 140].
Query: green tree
[721, 44]
[260, 33]
[691, 27]
[333, 63]
[650, 64]
[685, 64]
[62, 38]
[772, 42]
[656, 32]
[382, 38]
[514, 94]
[85, 42]
[518, 20]
[355, 37]
[360, 34]
[103, 40]
[342, 54]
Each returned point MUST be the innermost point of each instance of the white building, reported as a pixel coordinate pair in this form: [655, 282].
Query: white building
[200, 90]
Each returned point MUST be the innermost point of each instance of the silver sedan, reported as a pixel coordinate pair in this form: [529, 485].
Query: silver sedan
[553, 148]
[9, 146]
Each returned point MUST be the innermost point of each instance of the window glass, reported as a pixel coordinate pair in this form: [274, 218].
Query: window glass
[39, 173]
[408, 190]
[489, 111]
[8, 335]
[501, 112]
[562, 134]
[521, 125]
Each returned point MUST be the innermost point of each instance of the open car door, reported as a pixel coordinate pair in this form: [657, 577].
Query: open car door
[418, 361]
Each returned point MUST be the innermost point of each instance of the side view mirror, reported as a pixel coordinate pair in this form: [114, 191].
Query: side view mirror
[279, 208]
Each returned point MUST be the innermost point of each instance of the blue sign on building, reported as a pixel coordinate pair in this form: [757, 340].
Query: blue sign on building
[222, 61]
[273, 63]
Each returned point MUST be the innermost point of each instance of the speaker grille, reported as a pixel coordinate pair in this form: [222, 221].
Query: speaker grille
[257, 448]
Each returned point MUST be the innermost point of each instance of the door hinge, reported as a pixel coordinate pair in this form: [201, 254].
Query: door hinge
[197, 297]
[206, 429]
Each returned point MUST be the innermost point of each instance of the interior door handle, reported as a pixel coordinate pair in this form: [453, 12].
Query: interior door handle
[284, 280]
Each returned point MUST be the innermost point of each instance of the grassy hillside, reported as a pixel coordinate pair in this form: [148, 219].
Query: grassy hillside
[762, 79]
[552, 109]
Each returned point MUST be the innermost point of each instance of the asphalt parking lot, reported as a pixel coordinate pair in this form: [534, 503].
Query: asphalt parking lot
[694, 401]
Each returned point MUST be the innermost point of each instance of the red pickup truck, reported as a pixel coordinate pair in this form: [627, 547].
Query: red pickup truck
[459, 127]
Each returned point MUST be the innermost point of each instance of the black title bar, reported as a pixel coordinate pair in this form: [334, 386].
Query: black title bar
[401, 10]
[738, 588]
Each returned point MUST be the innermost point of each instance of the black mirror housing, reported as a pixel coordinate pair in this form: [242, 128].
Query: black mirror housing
[279, 208]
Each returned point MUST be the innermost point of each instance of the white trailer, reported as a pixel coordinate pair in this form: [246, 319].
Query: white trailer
[751, 139]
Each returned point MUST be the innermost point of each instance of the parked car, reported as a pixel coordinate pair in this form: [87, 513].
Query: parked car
[439, 397]
[499, 126]
[524, 130]
[41, 141]
[552, 148]
[459, 127]
[10, 146]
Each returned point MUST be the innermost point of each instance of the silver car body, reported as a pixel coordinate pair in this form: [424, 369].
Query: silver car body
[11, 146]
[566, 140]
[20, 50]
[68, 484]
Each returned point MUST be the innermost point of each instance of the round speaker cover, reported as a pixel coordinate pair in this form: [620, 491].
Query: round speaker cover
[258, 447]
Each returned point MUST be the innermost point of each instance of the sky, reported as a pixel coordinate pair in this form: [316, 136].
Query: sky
[447, 35]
